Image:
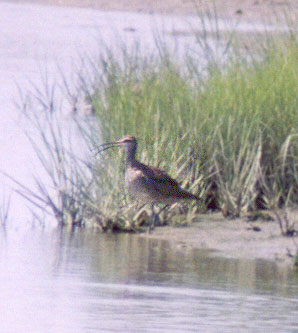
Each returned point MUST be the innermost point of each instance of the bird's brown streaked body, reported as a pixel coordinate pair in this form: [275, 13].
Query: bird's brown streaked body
[148, 184]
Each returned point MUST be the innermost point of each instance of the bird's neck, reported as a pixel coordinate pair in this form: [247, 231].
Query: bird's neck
[131, 156]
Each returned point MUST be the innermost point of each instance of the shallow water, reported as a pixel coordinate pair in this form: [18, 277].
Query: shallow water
[83, 281]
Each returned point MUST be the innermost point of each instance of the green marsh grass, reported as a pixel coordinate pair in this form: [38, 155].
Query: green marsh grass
[232, 138]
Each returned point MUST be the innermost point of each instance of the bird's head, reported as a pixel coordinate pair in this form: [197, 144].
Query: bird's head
[128, 141]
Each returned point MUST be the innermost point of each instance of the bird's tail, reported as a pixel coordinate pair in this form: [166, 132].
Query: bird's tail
[189, 196]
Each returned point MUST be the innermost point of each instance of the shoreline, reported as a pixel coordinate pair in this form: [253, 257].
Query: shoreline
[245, 11]
[235, 239]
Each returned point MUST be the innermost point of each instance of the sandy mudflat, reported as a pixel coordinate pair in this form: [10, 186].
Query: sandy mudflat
[236, 238]
[247, 10]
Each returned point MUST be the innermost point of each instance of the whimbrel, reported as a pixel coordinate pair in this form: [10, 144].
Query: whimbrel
[148, 184]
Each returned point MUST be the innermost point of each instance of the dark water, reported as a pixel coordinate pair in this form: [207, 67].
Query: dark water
[83, 281]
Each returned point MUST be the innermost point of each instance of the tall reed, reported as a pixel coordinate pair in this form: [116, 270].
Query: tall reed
[235, 133]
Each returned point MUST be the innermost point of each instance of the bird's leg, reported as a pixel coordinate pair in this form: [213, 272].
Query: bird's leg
[154, 219]
[163, 208]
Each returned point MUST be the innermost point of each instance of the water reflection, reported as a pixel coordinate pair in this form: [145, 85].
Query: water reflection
[80, 280]
[129, 258]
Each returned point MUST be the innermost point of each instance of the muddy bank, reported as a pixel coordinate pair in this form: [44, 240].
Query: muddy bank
[246, 10]
[236, 238]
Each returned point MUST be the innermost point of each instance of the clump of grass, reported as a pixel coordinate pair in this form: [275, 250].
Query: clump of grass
[224, 137]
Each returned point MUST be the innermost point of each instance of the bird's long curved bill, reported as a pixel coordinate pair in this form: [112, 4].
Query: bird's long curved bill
[106, 146]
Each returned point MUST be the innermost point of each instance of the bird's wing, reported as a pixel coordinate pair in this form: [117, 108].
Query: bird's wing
[166, 185]
[161, 176]
[160, 181]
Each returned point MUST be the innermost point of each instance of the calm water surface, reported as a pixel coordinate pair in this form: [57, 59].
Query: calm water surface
[84, 281]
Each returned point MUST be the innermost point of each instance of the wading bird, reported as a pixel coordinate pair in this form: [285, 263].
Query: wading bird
[146, 183]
